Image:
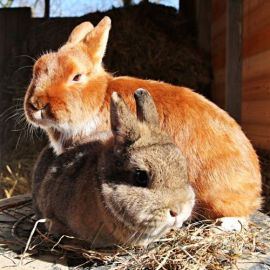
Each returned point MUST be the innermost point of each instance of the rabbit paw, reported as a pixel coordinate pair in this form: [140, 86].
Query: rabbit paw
[229, 224]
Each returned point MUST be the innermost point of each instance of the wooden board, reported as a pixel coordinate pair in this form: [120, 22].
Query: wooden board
[234, 59]
[218, 50]
[218, 8]
[257, 16]
[256, 66]
[256, 72]
[258, 134]
[256, 112]
[256, 89]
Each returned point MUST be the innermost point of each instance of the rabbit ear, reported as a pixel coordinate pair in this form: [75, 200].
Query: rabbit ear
[79, 32]
[97, 40]
[124, 124]
[146, 108]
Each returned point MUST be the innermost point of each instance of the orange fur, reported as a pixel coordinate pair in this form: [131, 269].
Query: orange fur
[223, 166]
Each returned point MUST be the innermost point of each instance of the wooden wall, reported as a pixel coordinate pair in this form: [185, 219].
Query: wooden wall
[255, 105]
[218, 50]
[256, 72]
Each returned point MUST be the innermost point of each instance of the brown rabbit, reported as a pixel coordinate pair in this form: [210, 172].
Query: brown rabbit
[130, 188]
[69, 97]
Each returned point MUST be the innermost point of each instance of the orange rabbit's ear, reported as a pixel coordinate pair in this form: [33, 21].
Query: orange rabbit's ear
[97, 40]
[79, 32]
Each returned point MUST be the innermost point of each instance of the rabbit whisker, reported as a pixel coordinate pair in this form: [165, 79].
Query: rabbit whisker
[8, 110]
[201, 216]
[16, 114]
[138, 233]
[18, 141]
[27, 56]
[19, 99]
[21, 68]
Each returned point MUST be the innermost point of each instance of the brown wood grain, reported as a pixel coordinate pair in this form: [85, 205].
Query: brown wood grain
[256, 66]
[256, 112]
[218, 87]
[256, 88]
[257, 42]
[218, 8]
[219, 60]
[257, 18]
[14, 201]
[258, 134]
[219, 25]
[250, 5]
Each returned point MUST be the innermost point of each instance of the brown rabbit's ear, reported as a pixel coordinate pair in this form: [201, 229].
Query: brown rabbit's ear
[146, 108]
[97, 39]
[79, 32]
[124, 124]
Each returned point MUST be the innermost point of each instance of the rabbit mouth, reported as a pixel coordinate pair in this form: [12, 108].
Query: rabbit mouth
[147, 233]
[40, 116]
[135, 232]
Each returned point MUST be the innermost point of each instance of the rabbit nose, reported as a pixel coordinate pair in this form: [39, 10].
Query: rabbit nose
[37, 106]
[173, 213]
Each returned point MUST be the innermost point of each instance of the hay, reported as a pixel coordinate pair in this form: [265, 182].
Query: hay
[199, 245]
[14, 182]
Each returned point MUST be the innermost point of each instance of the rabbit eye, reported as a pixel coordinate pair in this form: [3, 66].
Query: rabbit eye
[140, 178]
[77, 77]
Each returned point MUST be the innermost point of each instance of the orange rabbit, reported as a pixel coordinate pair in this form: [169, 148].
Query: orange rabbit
[69, 97]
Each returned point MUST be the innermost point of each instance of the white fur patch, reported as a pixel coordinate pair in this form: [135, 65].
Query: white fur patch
[67, 132]
[229, 224]
[57, 146]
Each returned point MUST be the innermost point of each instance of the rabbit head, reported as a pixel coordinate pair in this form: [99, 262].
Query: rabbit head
[143, 178]
[60, 97]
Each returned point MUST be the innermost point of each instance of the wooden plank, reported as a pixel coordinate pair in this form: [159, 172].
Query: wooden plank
[250, 5]
[219, 75]
[14, 201]
[218, 9]
[256, 89]
[256, 18]
[218, 87]
[219, 26]
[219, 60]
[256, 112]
[258, 42]
[218, 95]
[256, 66]
[218, 43]
[258, 134]
[234, 59]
